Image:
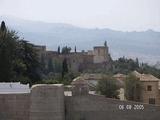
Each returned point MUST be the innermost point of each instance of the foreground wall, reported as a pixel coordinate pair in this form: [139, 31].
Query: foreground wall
[91, 107]
[47, 102]
[14, 106]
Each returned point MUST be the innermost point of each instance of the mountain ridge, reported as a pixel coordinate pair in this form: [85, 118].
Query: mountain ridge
[144, 44]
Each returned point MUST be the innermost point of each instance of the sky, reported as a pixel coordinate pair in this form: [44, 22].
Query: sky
[125, 15]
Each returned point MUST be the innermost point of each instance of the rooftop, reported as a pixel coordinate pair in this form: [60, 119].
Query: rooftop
[146, 77]
[11, 88]
[119, 75]
[99, 47]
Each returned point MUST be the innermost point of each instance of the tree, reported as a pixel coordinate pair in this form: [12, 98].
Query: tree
[66, 50]
[124, 65]
[137, 62]
[132, 88]
[8, 44]
[108, 87]
[64, 67]
[105, 43]
[57, 66]
[29, 57]
[43, 63]
[75, 49]
[50, 65]
[18, 59]
[3, 30]
[59, 50]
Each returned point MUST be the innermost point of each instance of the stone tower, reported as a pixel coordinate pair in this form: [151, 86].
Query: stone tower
[101, 54]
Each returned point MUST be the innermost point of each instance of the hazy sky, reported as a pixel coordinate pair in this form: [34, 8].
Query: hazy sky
[124, 15]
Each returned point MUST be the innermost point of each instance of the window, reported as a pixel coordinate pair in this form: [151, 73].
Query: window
[152, 101]
[149, 88]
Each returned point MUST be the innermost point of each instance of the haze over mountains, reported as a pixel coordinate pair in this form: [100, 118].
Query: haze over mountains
[145, 45]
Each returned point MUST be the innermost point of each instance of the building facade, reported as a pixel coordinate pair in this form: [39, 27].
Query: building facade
[150, 92]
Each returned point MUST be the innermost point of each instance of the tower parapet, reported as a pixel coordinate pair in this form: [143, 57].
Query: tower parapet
[101, 54]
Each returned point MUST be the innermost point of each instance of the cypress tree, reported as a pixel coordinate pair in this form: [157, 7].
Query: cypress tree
[59, 50]
[3, 30]
[75, 49]
[64, 67]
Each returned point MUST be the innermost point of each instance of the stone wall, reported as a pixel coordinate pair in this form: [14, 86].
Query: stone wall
[154, 93]
[93, 107]
[14, 106]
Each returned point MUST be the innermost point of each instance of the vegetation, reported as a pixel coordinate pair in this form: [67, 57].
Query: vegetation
[108, 87]
[125, 66]
[18, 58]
[64, 67]
[50, 65]
[66, 50]
[105, 43]
[59, 50]
[75, 49]
[147, 69]
[19, 62]
[132, 88]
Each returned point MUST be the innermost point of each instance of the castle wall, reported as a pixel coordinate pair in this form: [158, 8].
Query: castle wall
[14, 106]
[76, 61]
[93, 107]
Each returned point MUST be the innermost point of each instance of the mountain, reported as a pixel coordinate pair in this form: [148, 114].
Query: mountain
[144, 44]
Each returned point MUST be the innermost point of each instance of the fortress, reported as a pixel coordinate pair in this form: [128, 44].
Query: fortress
[99, 57]
[47, 102]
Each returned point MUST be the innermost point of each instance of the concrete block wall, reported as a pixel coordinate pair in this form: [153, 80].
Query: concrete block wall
[14, 106]
[93, 107]
[47, 102]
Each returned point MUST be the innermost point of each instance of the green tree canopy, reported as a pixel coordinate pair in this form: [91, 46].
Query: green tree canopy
[64, 67]
[132, 88]
[124, 65]
[18, 59]
[108, 87]
[50, 65]
[66, 50]
[75, 49]
[59, 50]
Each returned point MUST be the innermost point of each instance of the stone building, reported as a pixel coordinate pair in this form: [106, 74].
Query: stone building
[101, 54]
[150, 89]
[150, 85]
[120, 76]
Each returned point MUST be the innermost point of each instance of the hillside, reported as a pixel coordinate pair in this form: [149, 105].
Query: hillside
[144, 45]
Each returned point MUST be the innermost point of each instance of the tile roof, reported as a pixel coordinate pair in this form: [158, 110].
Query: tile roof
[145, 77]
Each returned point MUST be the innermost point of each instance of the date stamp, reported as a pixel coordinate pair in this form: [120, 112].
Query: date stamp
[131, 107]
